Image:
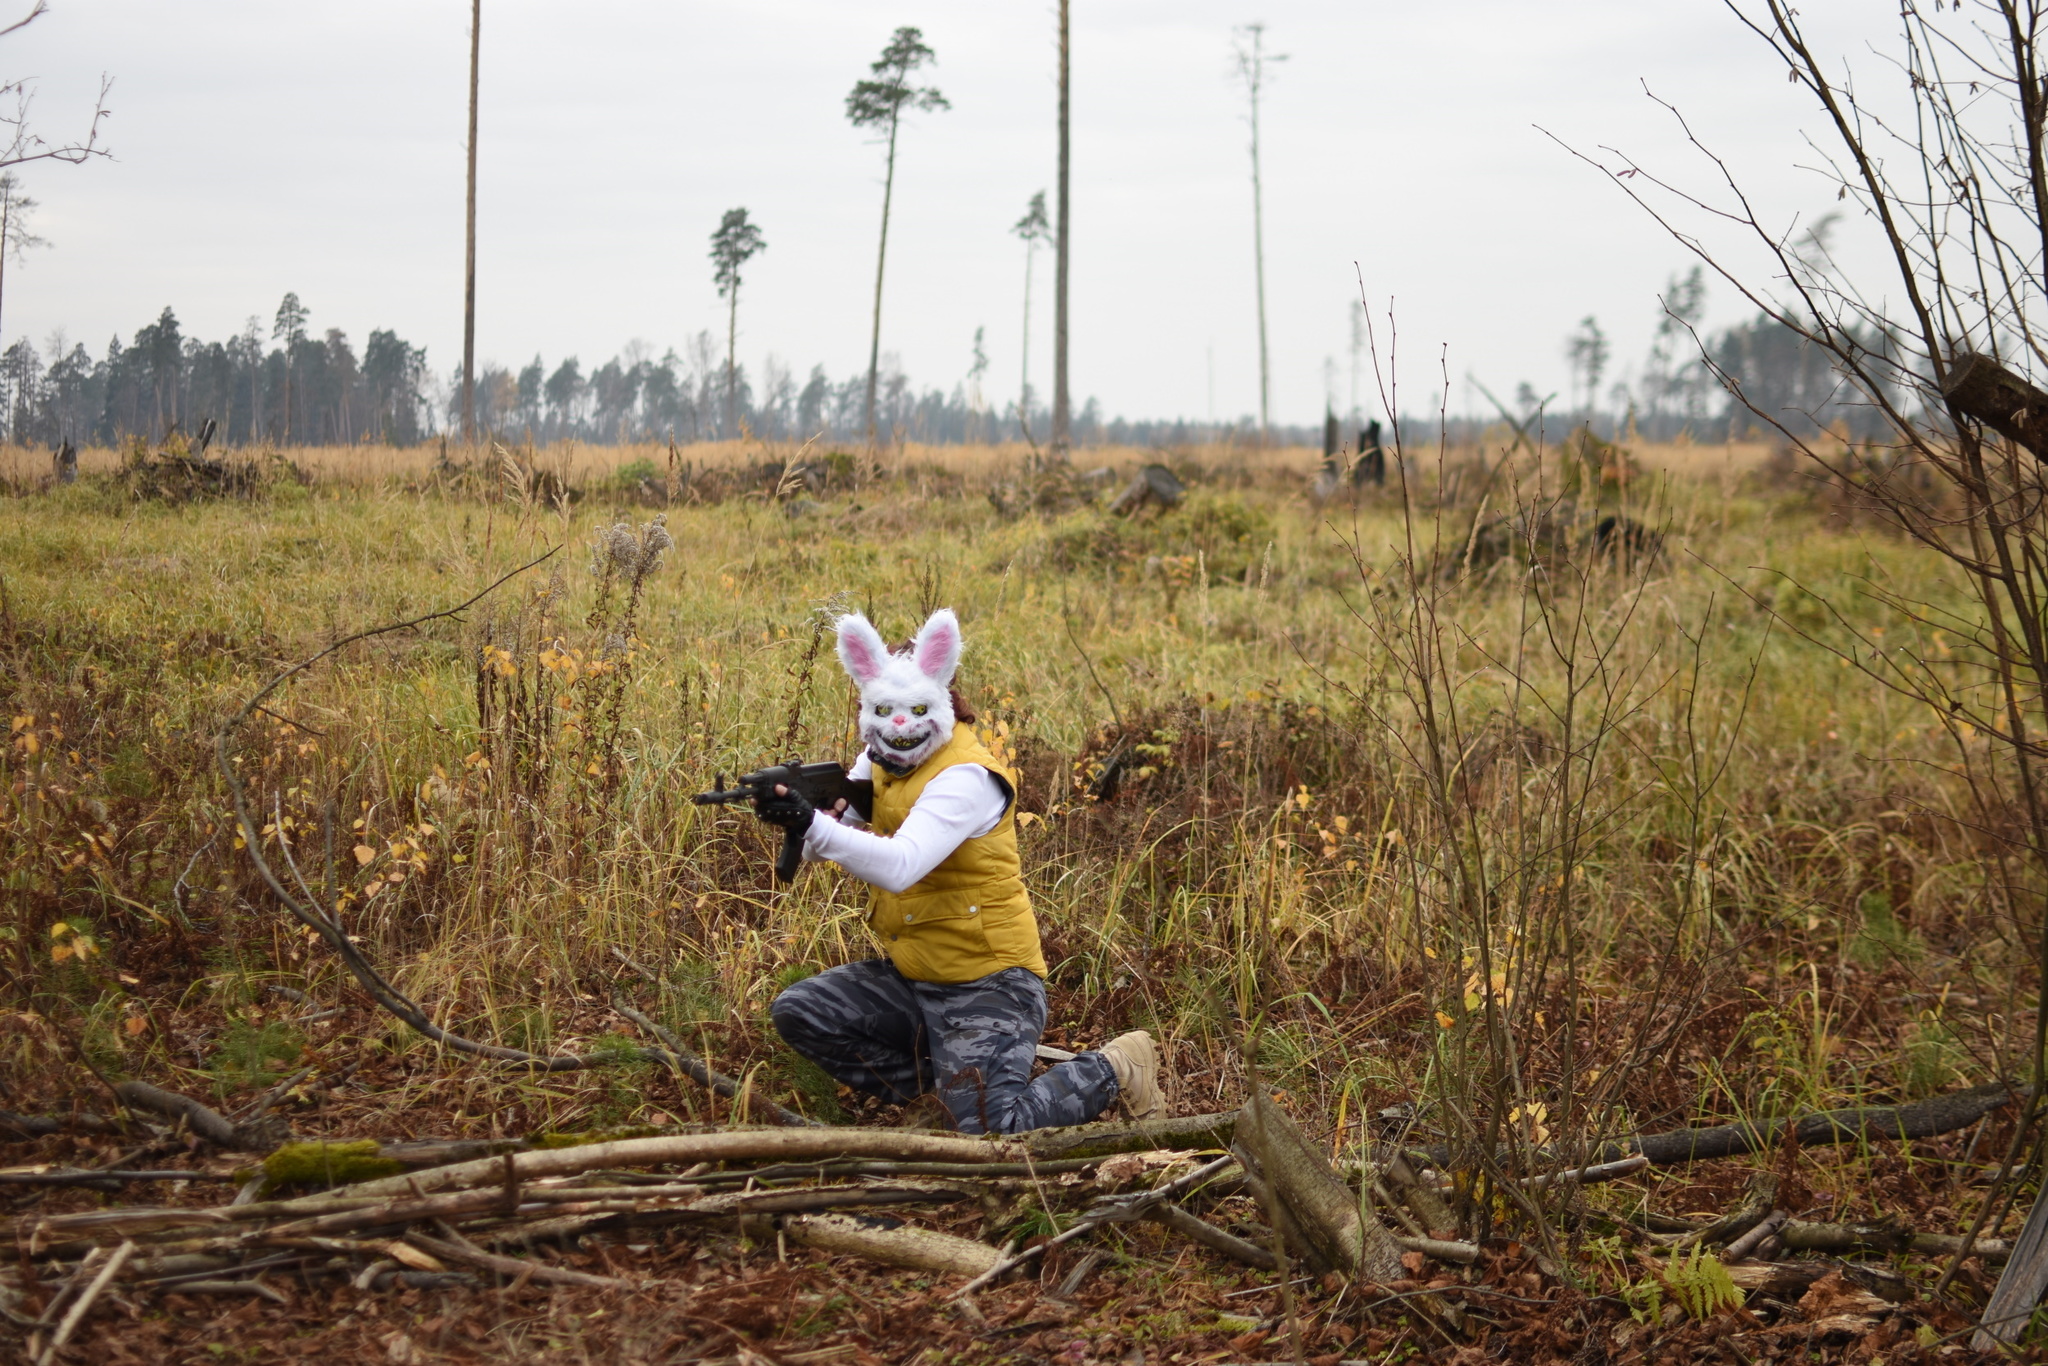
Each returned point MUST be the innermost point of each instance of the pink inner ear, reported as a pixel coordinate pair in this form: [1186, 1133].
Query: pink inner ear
[938, 651]
[860, 657]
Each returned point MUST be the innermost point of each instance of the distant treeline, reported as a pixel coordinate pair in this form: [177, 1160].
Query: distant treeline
[295, 387]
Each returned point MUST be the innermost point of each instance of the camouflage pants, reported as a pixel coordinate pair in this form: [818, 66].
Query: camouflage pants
[885, 1035]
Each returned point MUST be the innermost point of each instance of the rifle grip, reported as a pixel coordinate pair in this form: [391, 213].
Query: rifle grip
[792, 856]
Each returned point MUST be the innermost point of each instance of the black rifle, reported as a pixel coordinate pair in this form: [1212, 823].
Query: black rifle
[823, 783]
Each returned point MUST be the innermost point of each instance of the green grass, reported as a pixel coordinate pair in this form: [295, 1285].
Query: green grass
[1277, 834]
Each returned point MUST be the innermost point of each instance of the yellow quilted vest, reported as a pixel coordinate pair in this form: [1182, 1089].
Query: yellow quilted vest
[970, 916]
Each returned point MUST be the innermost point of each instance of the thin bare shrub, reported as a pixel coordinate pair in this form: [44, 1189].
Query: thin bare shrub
[1526, 745]
[1947, 164]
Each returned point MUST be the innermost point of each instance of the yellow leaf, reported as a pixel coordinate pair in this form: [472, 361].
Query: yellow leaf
[135, 1025]
[1444, 1021]
[364, 853]
[61, 930]
[1471, 1000]
[1027, 818]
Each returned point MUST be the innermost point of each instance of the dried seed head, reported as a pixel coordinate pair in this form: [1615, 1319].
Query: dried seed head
[614, 549]
[655, 542]
[623, 545]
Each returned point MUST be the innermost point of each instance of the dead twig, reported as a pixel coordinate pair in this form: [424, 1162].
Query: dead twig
[679, 1057]
[1114, 1210]
[83, 1304]
[512, 1266]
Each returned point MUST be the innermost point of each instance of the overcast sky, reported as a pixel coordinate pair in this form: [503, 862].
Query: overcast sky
[261, 147]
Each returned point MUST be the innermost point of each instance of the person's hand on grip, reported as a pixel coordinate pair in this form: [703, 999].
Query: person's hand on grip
[785, 807]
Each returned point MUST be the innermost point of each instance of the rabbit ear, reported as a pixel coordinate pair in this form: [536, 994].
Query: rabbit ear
[861, 649]
[937, 647]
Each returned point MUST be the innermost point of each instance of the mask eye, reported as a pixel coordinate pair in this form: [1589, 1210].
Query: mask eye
[919, 710]
[881, 711]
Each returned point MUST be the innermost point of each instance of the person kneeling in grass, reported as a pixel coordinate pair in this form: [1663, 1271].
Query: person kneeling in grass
[958, 1005]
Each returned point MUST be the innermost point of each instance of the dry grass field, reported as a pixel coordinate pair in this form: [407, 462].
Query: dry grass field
[1451, 818]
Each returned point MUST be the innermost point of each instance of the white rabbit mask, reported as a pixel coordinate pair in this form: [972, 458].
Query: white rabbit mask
[906, 703]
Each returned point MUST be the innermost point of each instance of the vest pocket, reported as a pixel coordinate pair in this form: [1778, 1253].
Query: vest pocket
[951, 950]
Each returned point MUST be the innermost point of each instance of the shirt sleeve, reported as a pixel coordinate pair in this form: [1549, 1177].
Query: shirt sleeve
[862, 770]
[963, 803]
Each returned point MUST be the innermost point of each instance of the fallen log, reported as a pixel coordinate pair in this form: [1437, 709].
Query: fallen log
[1757, 1203]
[1800, 1236]
[889, 1242]
[1186, 1133]
[215, 1287]
[1420, 1193]
[1442, 1249]
[727, 1145]
[817, 1144]
[1759, 1234]
[1790, 1280]
[48, 1229]
[203, 1120]
[1921, 1119]
[24, 1128]
[511, 1266]
[1215, 1239]
[85, 1176]
[1339, 1231]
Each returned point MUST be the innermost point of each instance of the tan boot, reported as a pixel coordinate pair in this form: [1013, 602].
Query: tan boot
[1135, 1060]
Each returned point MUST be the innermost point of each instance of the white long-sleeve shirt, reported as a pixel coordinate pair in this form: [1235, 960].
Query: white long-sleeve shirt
[965, 802]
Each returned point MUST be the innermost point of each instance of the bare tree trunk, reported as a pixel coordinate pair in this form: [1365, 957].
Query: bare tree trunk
[476, 22]
[1062, 413]
[732, 390]
[6, 212]
[881, 258]
[1259, 240]
[1024, 392]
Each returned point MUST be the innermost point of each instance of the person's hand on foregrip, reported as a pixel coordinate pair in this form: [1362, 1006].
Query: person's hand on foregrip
[789, 809]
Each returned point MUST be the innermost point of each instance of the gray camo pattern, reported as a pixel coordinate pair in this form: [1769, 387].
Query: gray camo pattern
[885, 1035]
